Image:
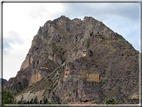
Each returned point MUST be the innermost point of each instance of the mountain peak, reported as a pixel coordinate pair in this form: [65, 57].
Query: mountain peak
[78, 60]
[62, 17]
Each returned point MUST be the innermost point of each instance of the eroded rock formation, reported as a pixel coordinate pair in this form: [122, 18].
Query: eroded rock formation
[73, 60]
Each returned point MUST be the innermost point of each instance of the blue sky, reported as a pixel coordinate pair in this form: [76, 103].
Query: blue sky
[21, 22]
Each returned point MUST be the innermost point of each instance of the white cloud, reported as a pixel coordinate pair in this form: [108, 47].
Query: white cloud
[45, 10]
[13, 60]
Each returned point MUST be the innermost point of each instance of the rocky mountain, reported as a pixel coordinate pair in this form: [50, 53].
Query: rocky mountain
[2, 81]
[76, 60]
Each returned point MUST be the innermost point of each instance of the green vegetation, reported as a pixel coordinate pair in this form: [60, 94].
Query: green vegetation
[8, 97]
[50, 103]
[103, 72]
[100, 36]
[49, 90]
[111, 101]
[58, 100]
[19, 102]
[80, 100]
[45, 100]
[23, 92]
[49, 79]
[31, 102]
[35, 100]
[22, 98]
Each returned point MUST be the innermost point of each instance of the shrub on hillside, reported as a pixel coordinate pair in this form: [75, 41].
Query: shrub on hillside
[111, 101]
[8, 97]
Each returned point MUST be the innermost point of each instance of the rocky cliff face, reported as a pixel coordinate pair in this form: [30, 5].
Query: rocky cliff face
[73, 60]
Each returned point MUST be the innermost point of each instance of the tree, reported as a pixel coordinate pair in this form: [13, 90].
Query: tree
[28, 102]
[22, 98]
[58, 100]
[31, 102]
[111, 101]
[19, 102]
[8, 97]
[45, 100]
[40, 101]
[35, 100]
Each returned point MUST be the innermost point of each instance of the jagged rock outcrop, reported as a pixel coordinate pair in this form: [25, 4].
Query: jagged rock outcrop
[72, 60]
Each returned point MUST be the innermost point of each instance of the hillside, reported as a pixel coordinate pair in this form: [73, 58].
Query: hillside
[73, 60]
[2, 81]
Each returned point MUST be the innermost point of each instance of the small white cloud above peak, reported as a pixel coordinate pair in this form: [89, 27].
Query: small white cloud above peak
[46, 10]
